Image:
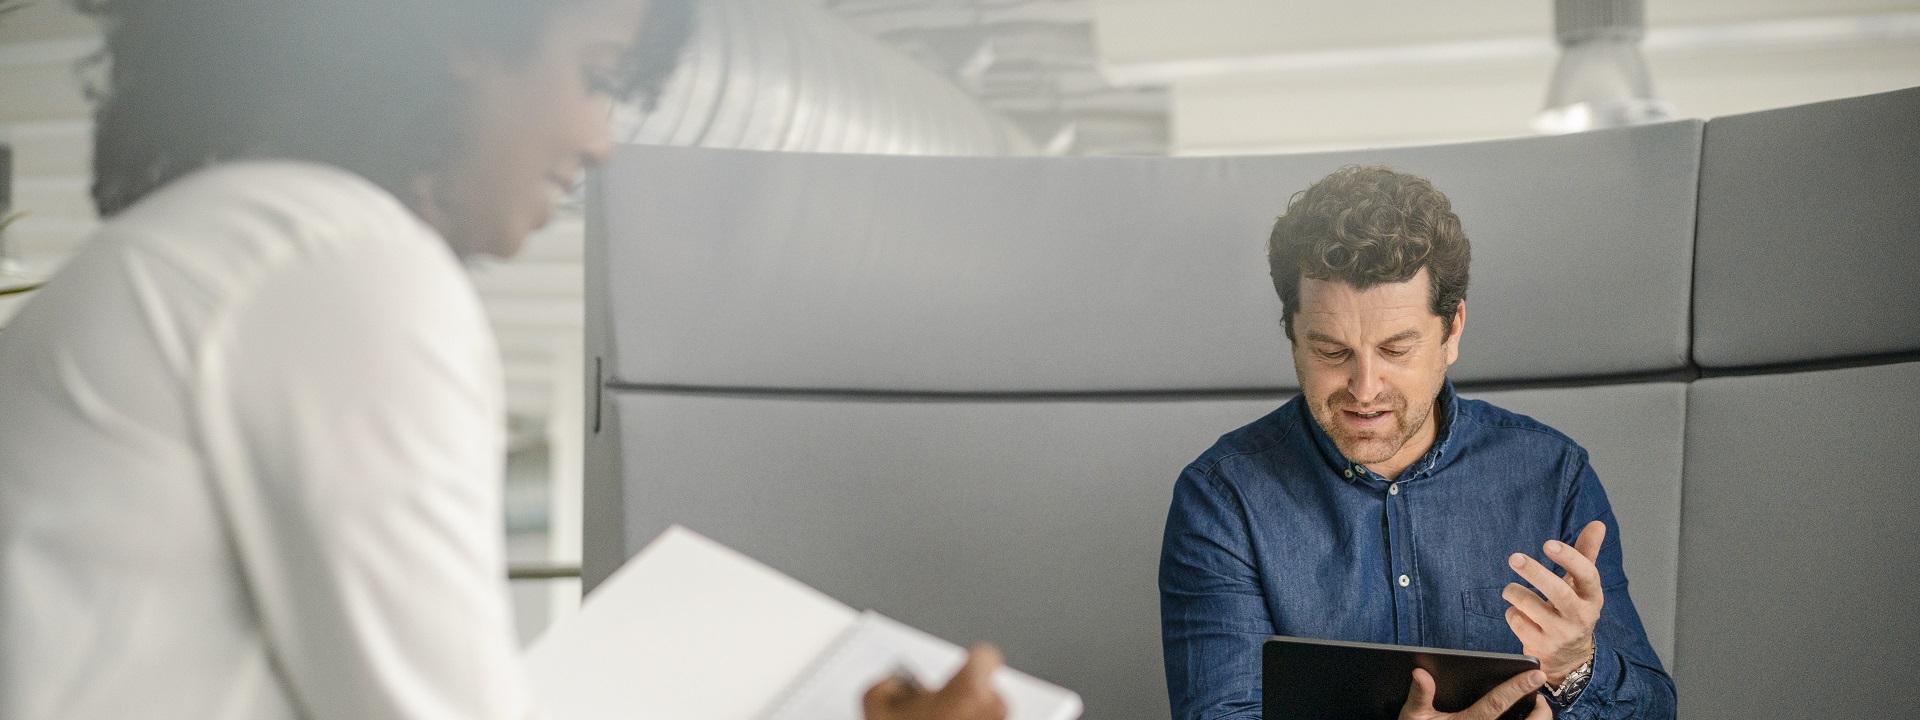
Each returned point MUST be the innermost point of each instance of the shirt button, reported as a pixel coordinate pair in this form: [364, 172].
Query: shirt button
[1393, 489]
[1349, 472]
[1404, 580]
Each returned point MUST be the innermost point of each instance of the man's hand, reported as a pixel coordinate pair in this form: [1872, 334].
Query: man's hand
[1559, 629]
[1420, 699]
[969, 695]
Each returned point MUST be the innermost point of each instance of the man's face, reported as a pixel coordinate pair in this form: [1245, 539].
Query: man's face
[1371, 364]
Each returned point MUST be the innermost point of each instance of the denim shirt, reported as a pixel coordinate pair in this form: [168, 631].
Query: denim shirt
[1274, 532]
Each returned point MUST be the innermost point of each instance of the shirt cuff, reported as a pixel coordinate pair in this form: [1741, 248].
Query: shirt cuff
[1605, 679]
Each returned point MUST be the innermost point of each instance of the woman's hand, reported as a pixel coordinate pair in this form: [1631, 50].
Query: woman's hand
[969, 695]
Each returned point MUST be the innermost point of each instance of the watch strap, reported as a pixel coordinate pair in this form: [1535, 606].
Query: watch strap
[1569, 689]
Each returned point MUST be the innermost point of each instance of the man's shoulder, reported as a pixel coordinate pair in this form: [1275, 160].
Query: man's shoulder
[1506, 426]
[1273, 432]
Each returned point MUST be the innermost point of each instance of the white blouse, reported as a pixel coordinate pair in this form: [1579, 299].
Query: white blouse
[251, 441]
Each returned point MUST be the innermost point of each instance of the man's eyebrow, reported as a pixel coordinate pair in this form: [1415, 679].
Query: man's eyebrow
[1402, 336]
[1317, 336]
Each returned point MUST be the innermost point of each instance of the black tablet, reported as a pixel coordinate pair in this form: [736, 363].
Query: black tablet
[1336, 680]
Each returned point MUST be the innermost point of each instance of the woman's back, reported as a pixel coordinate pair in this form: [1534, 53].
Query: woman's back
[250, 445]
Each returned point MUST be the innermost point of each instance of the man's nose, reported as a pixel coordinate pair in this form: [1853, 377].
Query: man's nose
[1364, 382]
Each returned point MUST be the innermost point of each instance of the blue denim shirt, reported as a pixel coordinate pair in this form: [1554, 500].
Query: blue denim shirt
[1274, 532]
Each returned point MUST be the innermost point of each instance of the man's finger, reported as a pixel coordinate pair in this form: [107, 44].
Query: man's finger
[1591, 538]
[1504, 696]
[1523, 627]
[1530, 605]
[1558, 592]
[1419, 702]
[1582, 575]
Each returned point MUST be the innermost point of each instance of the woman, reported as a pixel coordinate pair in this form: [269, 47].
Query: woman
[251, 436]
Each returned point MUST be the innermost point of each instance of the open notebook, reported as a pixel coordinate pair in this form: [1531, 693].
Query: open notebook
[692, 630]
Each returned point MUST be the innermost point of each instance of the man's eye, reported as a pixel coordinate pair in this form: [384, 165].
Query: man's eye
[1334, 354]
[1393, 351]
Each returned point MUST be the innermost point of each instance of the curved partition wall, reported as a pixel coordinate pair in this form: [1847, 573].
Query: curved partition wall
[1799, 528]
[958, 390]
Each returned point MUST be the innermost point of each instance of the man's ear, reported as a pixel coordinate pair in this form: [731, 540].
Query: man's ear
[1453, 338]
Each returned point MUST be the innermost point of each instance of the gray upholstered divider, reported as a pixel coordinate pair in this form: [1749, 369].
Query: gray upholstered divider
[1033, 524]
[959, 390]
[1810, 233]
[1798, 531]
[1797, 586]
[803, 271]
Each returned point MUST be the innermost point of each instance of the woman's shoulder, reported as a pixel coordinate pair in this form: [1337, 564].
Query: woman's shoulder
[240, 223]
[303, 200]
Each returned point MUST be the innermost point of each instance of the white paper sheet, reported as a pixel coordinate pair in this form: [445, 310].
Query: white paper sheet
[877, 646]
[689, 630]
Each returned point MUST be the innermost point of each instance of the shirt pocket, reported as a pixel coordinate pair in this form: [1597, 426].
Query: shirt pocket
[1483, 621]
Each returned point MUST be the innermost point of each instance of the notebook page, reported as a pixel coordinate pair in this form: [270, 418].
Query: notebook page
[876, 646]
[687, 629]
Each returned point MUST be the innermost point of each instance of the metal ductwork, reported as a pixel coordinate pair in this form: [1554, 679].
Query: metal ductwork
[788, 75]
[1601, 80]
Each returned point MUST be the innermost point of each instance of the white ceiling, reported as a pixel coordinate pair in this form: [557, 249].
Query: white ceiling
[1264, 76]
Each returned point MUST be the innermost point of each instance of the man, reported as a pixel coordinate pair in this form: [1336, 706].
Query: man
[1378, 505]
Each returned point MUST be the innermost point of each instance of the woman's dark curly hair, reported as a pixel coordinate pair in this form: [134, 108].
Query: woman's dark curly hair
[366, 85]
[1368, 226]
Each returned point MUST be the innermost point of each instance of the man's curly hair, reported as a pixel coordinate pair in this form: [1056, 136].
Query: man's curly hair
[1367, 226]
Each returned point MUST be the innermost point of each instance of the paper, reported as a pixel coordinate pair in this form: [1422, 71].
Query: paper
[692, 630]
[878, 645]
[688, 629]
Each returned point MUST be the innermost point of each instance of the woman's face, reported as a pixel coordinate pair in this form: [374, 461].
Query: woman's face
[533, 124]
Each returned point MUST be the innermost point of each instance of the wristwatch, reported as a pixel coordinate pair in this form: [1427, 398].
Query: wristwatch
[1570, 688]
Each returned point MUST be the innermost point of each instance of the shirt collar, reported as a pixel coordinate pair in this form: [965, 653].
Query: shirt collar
[1447, 409]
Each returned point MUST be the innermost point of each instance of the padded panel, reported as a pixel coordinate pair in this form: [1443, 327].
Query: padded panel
[1797, 579]
[776, 270]
[1809, 241]
[1034, 525]
[1634, 438]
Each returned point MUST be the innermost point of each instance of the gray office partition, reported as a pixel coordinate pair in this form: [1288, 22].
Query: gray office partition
[1799, 545]
[1810, 233]
[887, 273]
[1797, 519]
[1034, 524]
[958, 390]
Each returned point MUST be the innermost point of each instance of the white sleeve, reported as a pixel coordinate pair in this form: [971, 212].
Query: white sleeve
[352, 410]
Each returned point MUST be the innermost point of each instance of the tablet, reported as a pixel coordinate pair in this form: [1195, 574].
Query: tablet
[1307, 678]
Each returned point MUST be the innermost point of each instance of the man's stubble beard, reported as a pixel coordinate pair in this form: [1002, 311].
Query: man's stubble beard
[1371, 448]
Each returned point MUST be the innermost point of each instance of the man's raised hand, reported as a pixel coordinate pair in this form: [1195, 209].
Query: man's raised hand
[1559, 629]
[1419, 704]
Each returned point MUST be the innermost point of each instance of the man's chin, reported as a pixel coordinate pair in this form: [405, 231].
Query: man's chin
[1366, 451]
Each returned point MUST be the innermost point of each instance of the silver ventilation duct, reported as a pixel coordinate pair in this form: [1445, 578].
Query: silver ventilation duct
[788, 75]
[1601, 80]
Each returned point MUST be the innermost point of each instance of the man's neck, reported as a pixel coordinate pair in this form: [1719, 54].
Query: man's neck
[1410, 453]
